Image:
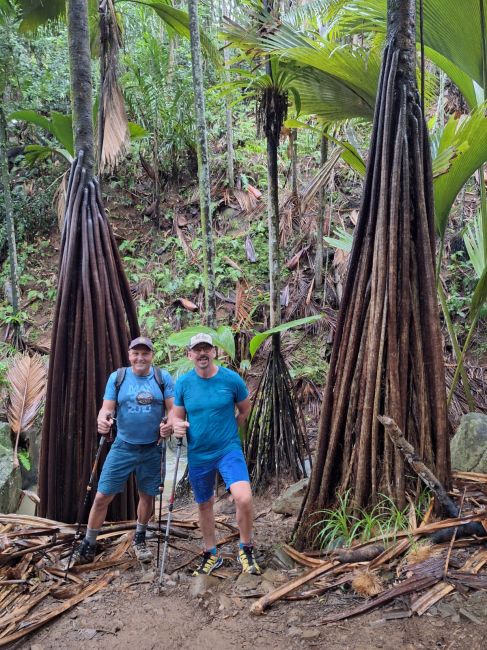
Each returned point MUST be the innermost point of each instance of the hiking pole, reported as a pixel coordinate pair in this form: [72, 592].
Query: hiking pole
[170, 509]
[89, 487]
[161, 490]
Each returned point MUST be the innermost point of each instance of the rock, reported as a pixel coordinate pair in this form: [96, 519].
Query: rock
[10, 478]
[310, 634]
[282, 559]
[289, 501]
[225, 602]
[247, 582]
[36, 646]
[267, 587]
[274, 577]
[469, 444]
[203, 585]
[294, 631]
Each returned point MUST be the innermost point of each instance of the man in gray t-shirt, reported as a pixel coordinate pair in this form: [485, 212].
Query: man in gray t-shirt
[142, 407]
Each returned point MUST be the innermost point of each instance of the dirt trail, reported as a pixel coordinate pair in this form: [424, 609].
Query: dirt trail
[130, 614]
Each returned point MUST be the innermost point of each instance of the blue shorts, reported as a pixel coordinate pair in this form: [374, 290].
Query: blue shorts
[232, 468]
[123, 459]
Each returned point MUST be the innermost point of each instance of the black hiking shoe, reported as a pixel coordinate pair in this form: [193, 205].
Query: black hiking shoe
[246, 558]
[142, 552]
[84, 554]
[209, 562]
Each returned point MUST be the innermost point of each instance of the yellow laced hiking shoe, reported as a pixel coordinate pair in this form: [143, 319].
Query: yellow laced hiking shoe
[209, 562]
[246, 558]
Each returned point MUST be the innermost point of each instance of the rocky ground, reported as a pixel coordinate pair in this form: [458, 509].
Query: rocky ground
[199, 613]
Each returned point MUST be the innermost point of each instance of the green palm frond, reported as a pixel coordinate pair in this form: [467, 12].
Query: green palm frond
[178, 21]
[467, 136]
[38, 12]
[314, 11]
[446, 22]
[474, 243]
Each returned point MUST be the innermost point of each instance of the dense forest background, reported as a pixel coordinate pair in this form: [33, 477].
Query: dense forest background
[323, 59]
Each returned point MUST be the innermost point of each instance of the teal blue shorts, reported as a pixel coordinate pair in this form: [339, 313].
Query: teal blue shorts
[123, 459]
[232, 468]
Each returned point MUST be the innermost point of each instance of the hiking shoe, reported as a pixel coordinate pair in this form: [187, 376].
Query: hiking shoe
[209, 562]
[246, 558]
[84, 554]
[142, 552]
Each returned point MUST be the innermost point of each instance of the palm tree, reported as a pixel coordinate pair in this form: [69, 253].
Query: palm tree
[387, 354]
[95, 315]
[7, 18]
[203, 166]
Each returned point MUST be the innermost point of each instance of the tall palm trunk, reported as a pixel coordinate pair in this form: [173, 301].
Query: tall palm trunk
[273, 109]
[387, 354]
[9, 217]
[81, 87]
[320, 226]
[229, 133]
[94, 318]
[203, 165]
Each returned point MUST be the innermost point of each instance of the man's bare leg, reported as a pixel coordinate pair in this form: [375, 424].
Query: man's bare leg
[242, 494]
[207, 523]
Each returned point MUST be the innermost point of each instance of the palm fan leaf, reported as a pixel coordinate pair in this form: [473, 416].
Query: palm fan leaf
[445, 24]
[27, 386]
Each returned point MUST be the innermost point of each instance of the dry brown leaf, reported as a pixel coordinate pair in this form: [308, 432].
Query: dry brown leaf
[253, 190]
[186, 304]
[354, 216]
[27, 380]
[115, 126]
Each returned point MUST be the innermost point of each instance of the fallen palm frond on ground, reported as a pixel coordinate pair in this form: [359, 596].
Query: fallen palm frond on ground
[33, 551]
[450, 561]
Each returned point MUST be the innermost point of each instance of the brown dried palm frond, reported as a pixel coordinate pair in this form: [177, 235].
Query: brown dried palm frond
[27, 380]
[243, 305]
[477, 379]
[319, 180]
[113, 134]
[59, 199]
[309, 396]
[246, 200]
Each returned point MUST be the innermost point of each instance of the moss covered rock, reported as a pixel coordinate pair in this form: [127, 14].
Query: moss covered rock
[469, 444]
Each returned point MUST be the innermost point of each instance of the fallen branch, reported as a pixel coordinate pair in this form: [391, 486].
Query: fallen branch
[430, 480]
[266, 601]
[406, 587]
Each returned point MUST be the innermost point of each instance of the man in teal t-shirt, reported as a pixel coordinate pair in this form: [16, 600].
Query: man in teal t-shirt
[208, 397]
[143, 407]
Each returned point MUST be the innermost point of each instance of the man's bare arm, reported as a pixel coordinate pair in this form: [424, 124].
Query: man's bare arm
[244, 407]
[105, 416]
[180, 424]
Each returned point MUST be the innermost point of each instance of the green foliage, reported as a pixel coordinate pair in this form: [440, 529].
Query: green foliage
[257, 340]
[340, 527]
[24, 458]
[461, 286]
[467, 136]
[342, 239]
[222, 337]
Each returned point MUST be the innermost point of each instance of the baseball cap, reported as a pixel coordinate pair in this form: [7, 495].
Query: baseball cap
[141, 340]
[200, 338]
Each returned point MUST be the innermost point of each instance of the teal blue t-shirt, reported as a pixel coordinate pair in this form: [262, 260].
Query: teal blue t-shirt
[140, 407]
[210, 409]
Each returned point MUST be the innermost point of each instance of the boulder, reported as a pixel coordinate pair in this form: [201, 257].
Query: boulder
[203, 586]
[469, 444]
[10, 480]
[289, 501]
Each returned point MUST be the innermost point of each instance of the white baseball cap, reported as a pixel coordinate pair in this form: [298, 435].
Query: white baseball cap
[200, 338]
